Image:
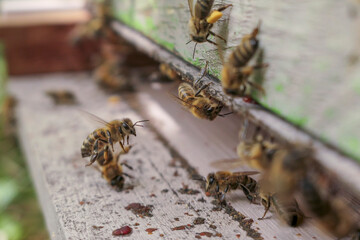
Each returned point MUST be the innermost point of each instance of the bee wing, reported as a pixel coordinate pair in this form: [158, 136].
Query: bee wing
[227, 164]
[202, 11]
[191, 7]
[95, 118]
[246, 173]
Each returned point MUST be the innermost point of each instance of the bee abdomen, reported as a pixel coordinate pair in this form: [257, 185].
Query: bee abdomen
[250, 183]
[186, 92]
[244, 52]
[87, 146]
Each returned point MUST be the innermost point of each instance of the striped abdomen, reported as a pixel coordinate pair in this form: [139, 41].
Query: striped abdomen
[186, 92]
[88, 144]
[244, 52]
[249, 183]
[203, 8]
[288, 210]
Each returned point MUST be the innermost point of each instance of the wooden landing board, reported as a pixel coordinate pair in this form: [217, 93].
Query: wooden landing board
[79, 204]
[312, 48]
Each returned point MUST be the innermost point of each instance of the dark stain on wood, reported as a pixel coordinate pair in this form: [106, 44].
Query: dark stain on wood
[140, 210]
[199, 220]
[151, 230]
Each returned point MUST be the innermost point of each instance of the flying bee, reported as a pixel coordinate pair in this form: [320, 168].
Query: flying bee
[168, 72]
[223, 182]
[110, 75]
[202, 20]
[257, 153]
[114, 131]
[97, 26]
[198, 103]
[62, 97]
[235, 73]
[112, 170]
[330, 212]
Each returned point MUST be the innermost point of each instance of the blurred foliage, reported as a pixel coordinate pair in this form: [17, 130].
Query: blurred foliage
[20, 214]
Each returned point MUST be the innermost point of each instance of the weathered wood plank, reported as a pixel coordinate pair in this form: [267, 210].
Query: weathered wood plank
[75, 198]
[312, 48]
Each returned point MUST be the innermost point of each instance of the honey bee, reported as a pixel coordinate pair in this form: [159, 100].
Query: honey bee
[197, 103]
[223, 181]
[235, 73]
[256, 153]
[62, 97]
[110, 75]
[202, 20]
[111, 169]
[114, 131]
[97, 26]
[168, 72]
[330, 212]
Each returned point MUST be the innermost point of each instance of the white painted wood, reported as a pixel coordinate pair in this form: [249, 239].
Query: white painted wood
[75, 198]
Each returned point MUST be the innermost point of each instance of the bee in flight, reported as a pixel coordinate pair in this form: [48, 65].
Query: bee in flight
[257, 153]
[112, 132]
[235, 73]
[223, 182]
[197, 103]
[111, 169]
[61, 97]
[202, 20]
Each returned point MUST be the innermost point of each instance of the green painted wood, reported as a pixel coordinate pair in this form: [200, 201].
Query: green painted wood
[312, 47]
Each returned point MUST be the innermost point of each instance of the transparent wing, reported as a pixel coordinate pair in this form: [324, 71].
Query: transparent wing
[94, 118]
[227, 164]
[247, 173]
[191, 7]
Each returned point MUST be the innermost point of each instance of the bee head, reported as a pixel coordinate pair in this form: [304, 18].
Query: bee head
[127, 127]
[210, 180]
[118, 181]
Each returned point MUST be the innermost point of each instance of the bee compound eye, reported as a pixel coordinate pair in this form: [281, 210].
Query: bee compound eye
[125, 126]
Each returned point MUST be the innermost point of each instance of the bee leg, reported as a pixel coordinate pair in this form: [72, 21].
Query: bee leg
[127, 139]
[214, 34]
[202, 88]
[127, 165]
[106, 154]
[209, 41]
[267, 207]
[258, 87]
[108, 134]
[122, 147]
[224, 7]
[128, 175]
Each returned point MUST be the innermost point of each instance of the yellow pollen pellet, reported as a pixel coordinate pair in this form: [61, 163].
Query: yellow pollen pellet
[215, 15]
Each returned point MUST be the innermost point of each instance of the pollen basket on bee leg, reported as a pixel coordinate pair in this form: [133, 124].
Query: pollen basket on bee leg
[215, 15]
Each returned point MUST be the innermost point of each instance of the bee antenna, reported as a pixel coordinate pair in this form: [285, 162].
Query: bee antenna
[194, 50]
[225, 114]
[198, 178]
[189, 42]
[140, 122]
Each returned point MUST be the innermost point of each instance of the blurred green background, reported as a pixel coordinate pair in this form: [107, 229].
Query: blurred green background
[20, 213]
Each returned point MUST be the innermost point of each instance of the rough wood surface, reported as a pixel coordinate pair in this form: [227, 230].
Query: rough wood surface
[312, 49]
[77, 202]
